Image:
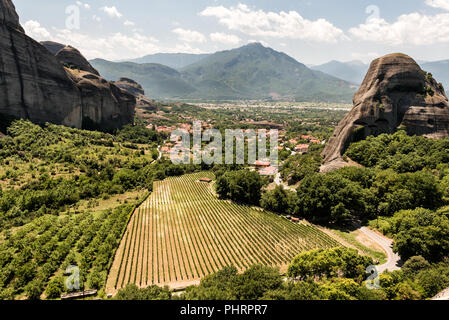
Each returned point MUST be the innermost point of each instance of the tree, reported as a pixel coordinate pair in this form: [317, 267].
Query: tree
[330, 198]
[132, 292]
[279, 200]
[242, 186]
[414, 265]
[55, 288]
[255, 281]
[420, 232]
[33, 289]
[330, 263]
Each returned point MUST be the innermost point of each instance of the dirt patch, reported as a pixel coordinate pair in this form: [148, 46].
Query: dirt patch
[368, 242]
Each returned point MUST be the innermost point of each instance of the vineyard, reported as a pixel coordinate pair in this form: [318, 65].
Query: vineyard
[183, 232]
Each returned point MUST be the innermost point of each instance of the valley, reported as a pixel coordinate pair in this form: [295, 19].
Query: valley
[224, 169]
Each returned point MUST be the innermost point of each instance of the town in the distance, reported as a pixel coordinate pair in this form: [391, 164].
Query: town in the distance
[311, 182]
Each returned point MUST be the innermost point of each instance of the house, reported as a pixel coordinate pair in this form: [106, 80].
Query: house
[165, 129]
[302, 148]
[268, 171]
[307, 137]
[315, 141]
[262, 164]
[292, 141]
[206, 180]
[295, 220]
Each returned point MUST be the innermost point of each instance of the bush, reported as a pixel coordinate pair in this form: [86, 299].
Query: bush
[242, 186]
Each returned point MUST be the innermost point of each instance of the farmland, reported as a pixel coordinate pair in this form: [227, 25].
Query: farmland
[183, 232]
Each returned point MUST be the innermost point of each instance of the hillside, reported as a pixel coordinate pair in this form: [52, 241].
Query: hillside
[172, 60]
[157, 80]
[249, 72]
[184, 233]
[352, 71]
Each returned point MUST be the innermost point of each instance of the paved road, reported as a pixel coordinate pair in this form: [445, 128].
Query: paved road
[393, 259]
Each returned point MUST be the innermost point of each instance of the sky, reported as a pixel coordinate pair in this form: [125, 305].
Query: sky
[311, 31]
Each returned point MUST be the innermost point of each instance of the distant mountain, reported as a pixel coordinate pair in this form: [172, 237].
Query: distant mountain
[172, 60]
[439, 70]
[249, 72]
[157, 80]
[353, 71]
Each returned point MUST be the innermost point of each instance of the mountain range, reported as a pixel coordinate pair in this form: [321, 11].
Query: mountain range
[249, 72]
[172, 60]
[352, 71]
[355, 71]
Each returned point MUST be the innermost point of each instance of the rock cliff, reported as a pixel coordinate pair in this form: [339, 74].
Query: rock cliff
[396, 93]
[34, 85]
[135, 89]
[72, 58]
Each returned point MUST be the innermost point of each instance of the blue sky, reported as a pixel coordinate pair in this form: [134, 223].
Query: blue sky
[312, 31]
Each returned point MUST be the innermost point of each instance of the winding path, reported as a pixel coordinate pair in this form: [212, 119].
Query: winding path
[393, 259]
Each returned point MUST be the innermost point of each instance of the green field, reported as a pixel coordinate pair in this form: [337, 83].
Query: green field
[183, 232]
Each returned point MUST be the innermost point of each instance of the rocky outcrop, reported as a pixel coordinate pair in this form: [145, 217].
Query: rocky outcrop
[102, 102]
[53, 47]
[9, 16]
[396, 93]
[73, 59]
[34, 85]
[131, 86]
[135, 89]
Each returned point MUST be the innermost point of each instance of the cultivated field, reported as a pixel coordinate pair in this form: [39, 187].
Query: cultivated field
[183, 233]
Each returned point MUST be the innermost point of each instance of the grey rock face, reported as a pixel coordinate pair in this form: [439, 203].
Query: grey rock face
[396, 93]
[130, 86]
[72, 58]
[34, 85]
[52, 46]
[135, 89]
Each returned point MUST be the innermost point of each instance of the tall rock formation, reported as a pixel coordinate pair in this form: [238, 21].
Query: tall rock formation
[136, 90]
[73, 59]
[396, 93]
[34, 85]
[52, 46]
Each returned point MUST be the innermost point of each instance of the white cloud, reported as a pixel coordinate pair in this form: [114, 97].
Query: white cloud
[289, 25]
[413, 29]
[96, 18]
[184, 48]
[189, 35]
[34, 30]
[84, 5]
[112, 12]
[115, 46]
[365, 56]
[128, 23]
[259, 41]
[440, 4]
[225, 38]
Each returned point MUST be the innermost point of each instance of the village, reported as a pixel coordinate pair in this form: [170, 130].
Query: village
[296, 145]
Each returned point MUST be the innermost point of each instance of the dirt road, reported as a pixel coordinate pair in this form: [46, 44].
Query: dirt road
[393, 259]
